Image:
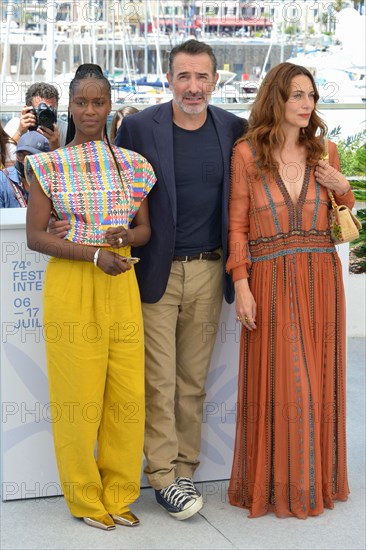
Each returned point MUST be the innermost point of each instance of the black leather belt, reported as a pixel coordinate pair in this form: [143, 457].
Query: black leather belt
[210, 256]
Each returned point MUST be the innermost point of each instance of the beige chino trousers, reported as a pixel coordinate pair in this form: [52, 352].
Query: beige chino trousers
[180, 333]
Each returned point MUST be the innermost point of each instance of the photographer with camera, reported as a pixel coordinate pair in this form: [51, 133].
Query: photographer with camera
[40, 114]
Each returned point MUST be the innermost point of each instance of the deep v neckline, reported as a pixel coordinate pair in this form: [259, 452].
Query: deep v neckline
[303, 192]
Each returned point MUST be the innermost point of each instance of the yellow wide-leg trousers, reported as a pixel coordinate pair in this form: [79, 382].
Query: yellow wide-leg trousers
[95, 353]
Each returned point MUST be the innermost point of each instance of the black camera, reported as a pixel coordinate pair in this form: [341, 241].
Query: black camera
[45, 116]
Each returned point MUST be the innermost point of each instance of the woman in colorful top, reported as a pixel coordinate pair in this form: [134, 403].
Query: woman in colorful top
[92, 311]
[290, 449]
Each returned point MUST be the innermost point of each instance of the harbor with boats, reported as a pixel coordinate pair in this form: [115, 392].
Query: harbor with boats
[135, 60]
[131, 41]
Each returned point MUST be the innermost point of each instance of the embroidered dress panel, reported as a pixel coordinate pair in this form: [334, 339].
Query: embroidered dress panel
[290, 448]
[87, 190]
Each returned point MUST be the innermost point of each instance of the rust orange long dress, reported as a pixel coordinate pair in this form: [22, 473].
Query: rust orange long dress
[290, 446]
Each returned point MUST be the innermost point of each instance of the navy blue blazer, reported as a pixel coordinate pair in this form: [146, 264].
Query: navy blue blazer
[150, 133]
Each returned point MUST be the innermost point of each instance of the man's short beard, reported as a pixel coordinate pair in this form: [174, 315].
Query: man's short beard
[191, 110]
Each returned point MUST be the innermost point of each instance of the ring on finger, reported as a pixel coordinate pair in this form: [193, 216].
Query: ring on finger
[120, 241]
[244, 319]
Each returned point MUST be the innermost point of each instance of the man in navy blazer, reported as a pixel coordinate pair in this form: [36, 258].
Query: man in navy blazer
[182, 274]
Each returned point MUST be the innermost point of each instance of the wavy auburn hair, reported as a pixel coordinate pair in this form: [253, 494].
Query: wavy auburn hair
[267, 115]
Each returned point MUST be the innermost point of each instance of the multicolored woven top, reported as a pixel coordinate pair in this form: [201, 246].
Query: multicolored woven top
[86, 189]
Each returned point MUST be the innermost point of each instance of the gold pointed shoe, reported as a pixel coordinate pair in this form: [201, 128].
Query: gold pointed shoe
[128, 519]
[104, 522]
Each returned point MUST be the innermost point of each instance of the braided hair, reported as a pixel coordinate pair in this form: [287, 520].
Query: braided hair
[89, 70]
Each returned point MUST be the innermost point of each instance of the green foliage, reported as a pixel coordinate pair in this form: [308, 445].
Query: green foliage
[292, 29]
[358, 247]
[339, 5]
[352, 154]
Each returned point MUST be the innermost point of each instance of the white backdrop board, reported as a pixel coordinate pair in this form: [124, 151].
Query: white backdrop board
[28, 465]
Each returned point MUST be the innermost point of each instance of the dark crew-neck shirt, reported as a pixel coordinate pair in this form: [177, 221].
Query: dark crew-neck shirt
[199, 174]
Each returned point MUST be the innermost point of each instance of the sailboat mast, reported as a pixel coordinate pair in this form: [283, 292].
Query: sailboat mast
[50, 42]
[106, 17]
[5, 63]
[173, 18]
[159, 69]
[146, 59]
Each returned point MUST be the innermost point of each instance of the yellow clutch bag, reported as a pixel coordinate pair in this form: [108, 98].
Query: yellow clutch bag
[344, 225]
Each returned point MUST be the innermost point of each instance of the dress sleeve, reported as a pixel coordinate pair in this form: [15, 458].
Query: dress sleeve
[348, 198]
[238, 262]
[144, 177]
[33, 163]
[143, 180]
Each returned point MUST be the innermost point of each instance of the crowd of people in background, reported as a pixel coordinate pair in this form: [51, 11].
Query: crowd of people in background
[187, 204]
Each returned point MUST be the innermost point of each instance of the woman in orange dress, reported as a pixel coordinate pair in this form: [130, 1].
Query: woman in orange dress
[290, 448]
